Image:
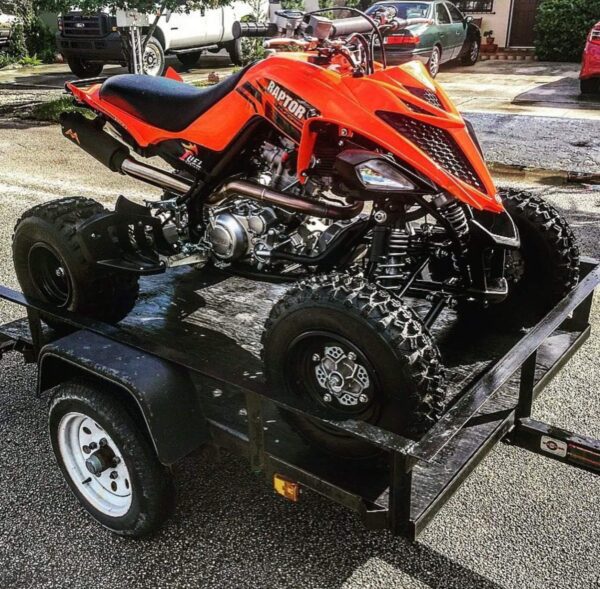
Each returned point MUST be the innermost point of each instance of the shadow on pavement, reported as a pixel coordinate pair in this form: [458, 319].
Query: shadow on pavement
[560, 92]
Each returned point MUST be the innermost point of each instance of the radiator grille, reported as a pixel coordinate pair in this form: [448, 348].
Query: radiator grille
[437, 144]
[80, 25]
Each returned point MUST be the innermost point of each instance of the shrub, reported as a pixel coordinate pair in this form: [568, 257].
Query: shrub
[17, 49]
[562, 26]
[39, 40]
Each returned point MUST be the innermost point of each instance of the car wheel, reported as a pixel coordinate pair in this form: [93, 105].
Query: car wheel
[84, 69]
[433, 65]
[472, 54]
[590, 86]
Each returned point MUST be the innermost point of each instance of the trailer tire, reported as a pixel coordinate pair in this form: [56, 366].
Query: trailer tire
[399, 376]
[131, 497]
[45, 244]
[541, 272]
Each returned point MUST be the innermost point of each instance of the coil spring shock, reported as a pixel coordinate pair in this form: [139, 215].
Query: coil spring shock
[455, 215]
[391, 269]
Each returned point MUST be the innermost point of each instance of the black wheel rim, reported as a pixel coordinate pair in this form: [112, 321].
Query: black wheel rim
[49, 275]
[335, 375]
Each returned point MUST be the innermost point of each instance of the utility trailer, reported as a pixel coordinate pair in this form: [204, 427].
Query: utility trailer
[186, 360]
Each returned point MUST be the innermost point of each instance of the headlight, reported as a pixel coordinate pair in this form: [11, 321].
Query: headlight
[378, 175]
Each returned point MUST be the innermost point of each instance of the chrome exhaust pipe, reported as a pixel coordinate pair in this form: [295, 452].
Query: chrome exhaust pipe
[288, 202]
[168, 181]
[155, 176]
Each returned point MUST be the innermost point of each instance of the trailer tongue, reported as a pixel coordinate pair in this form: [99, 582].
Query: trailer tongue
[187, 364]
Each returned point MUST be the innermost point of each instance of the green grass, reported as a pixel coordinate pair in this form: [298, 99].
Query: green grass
[50, 111]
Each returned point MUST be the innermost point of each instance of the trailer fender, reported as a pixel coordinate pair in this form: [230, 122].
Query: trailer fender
[163, 392]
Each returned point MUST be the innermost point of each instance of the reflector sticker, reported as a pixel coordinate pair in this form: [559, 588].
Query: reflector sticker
[553, 446]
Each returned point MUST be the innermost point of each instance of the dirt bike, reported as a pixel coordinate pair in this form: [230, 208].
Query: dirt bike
[360, 182]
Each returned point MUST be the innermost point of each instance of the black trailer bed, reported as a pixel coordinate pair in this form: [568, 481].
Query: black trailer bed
[211, 323]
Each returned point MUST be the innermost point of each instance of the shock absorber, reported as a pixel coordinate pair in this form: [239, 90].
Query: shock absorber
[391, 269]
[455, 215]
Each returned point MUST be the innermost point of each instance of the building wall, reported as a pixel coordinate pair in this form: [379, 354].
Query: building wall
[496, 21]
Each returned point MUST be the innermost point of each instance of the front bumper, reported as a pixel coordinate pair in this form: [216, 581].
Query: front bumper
[108, 49]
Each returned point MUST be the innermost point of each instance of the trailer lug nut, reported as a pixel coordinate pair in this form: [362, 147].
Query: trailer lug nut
[86, 449]
[316, 357]
[93, 446]
[60, 272]
[116, 460]
[351, 356]
[114, 475]
[103, 442]
[363, 398]
[327, 398]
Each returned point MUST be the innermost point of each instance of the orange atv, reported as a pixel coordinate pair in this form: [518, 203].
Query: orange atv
[361, 182]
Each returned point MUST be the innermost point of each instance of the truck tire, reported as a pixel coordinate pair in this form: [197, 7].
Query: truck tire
[154, 59]
[234, 48]
[189, 59]
[84, 69]
[350, 350]
[541, 272]
[108, 460]
[51, 267]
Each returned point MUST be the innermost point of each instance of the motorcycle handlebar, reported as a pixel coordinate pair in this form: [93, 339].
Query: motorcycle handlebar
[347, 26]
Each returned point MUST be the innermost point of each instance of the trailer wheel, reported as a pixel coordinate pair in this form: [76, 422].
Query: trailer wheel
[541, 272]
[51, 267]
[350, 349]
[234, 48]
[107, 461]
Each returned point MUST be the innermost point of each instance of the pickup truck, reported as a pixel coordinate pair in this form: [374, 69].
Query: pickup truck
[88, 41]
[6, 23]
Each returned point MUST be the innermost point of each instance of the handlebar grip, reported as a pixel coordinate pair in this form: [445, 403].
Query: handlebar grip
[252, 29]
[347, 26]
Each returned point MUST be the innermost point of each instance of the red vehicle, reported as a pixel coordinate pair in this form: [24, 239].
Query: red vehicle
[589, 78]
[319, 165]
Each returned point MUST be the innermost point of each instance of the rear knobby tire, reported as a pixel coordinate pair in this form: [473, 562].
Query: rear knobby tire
[143, 495]
[402, 361]
[47, 234]
[544, 269]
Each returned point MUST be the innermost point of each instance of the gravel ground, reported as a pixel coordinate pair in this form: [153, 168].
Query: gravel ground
[519, 522]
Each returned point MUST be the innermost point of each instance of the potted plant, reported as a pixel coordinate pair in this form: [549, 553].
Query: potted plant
[489, 46]
[488, 37]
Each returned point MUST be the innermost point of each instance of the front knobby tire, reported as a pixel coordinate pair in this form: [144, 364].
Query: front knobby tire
[135, 494]
[542, 271]
[52, 268]
[372, 335]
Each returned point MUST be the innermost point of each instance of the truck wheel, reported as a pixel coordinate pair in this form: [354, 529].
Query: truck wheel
[234, 48]
[154, 59]
[189, 59]
[542, 271]
[108, 461]
[84, 69]
[352, 351]
[51, 267]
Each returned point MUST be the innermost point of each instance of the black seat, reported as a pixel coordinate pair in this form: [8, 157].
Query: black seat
[164, 103]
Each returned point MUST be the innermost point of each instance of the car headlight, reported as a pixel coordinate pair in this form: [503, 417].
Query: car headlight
[378, 175]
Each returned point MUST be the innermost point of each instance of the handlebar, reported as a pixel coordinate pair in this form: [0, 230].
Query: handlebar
[253, 29]
[347, 26]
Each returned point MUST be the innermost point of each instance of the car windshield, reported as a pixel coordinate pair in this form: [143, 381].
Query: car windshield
[404, 9]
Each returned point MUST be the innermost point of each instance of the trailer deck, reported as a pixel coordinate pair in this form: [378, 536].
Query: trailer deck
[209, 323]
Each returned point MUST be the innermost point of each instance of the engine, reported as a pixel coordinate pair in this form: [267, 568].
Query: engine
[244, 230]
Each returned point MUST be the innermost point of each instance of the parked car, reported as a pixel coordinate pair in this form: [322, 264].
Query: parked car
[6, 23]
[589, 78]
[450, 35]
[90, 41]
